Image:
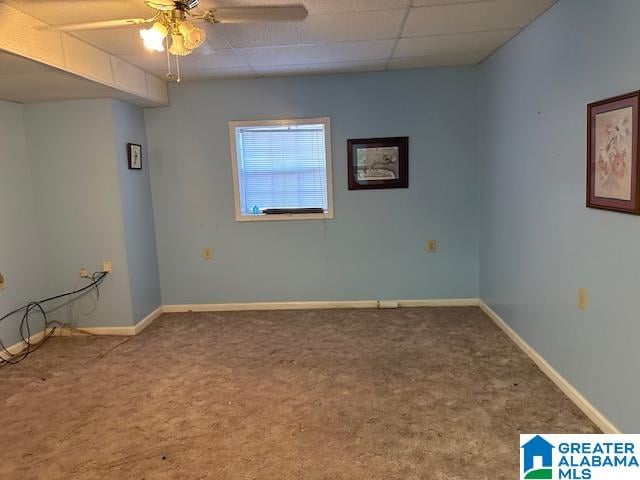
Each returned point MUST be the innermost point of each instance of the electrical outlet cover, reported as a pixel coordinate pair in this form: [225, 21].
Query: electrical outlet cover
[2, 284]
[207, 253]
[106, 266]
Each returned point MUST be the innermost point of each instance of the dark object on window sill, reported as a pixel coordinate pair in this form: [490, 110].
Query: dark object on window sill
[289, 211]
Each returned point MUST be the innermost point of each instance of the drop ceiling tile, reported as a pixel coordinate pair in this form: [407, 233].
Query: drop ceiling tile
[315, 7]
[157, 62]
[338, 35]
[322, 68]
[318, 54]
[457, 43]
[472, 17]
[446, 60]
[377, 25]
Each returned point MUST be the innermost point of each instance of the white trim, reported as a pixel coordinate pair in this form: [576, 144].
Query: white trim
[112, 331]
[148, 320]
[16, 348]
[444, 302]
[569, 390]
[101, 331]
[287, 216]
[326, 121]
[84, 331]
[230, 307]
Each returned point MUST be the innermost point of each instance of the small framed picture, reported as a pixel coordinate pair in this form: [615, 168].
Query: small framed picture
[612, 154]
[378, 163]
[134, 152]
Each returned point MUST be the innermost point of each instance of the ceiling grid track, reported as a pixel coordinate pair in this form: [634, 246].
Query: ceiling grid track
[237, 53]
[397, 40]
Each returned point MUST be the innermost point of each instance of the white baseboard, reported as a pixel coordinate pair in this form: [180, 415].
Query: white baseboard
[231, 307]
[444, 302]
[113, 331]
[148, 320]
[19, 346]
[569, 390]
[84, 331]
[228, 307]
[107, 331]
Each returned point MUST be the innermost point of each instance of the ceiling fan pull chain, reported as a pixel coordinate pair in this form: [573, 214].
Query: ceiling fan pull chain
[169, 74]
[178, 68]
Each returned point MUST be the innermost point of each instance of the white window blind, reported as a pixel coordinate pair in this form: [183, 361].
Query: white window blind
[281, 166]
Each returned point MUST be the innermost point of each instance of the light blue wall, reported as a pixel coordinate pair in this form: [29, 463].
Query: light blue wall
[71, 203]
[137, 211]
[374, 248]
[539, 243]
[21, 258]
[73, 157]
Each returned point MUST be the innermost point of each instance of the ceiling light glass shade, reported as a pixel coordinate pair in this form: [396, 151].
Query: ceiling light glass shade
[153, 37]
[195, 38]
[186, 27]
[178, 47]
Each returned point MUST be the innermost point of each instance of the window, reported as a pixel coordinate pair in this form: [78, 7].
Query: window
[282, 165]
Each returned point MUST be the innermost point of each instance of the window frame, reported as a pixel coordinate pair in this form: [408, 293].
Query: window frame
[240, 217]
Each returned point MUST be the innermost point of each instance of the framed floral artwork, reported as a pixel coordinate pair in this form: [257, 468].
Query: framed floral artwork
[378, 163]
[612, 154]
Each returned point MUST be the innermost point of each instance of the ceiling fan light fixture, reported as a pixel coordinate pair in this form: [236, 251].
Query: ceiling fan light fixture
[189, 4]
[162, 5]
[178, 46]
[195, 38]
[153, 37]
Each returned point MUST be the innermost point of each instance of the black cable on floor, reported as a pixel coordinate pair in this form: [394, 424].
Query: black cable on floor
[8, 358]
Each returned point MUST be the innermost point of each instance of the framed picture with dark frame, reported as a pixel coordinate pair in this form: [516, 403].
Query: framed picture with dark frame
[378, 163]
[134, 153]
[612, 154]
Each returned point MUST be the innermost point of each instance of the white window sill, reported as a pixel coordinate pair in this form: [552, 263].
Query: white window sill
[284, 216]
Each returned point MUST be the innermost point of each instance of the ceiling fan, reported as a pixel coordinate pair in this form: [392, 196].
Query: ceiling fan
[173, 28]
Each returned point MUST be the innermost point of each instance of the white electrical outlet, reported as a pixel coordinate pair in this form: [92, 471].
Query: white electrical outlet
[106, 266]
[84, 273]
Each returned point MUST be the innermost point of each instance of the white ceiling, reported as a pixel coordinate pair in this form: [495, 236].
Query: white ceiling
[338, 35]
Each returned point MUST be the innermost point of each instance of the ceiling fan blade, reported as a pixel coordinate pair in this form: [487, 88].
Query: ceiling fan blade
[76, 27]
[293, 13]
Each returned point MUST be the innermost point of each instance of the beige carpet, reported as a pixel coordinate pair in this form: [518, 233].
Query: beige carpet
[436, 394]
